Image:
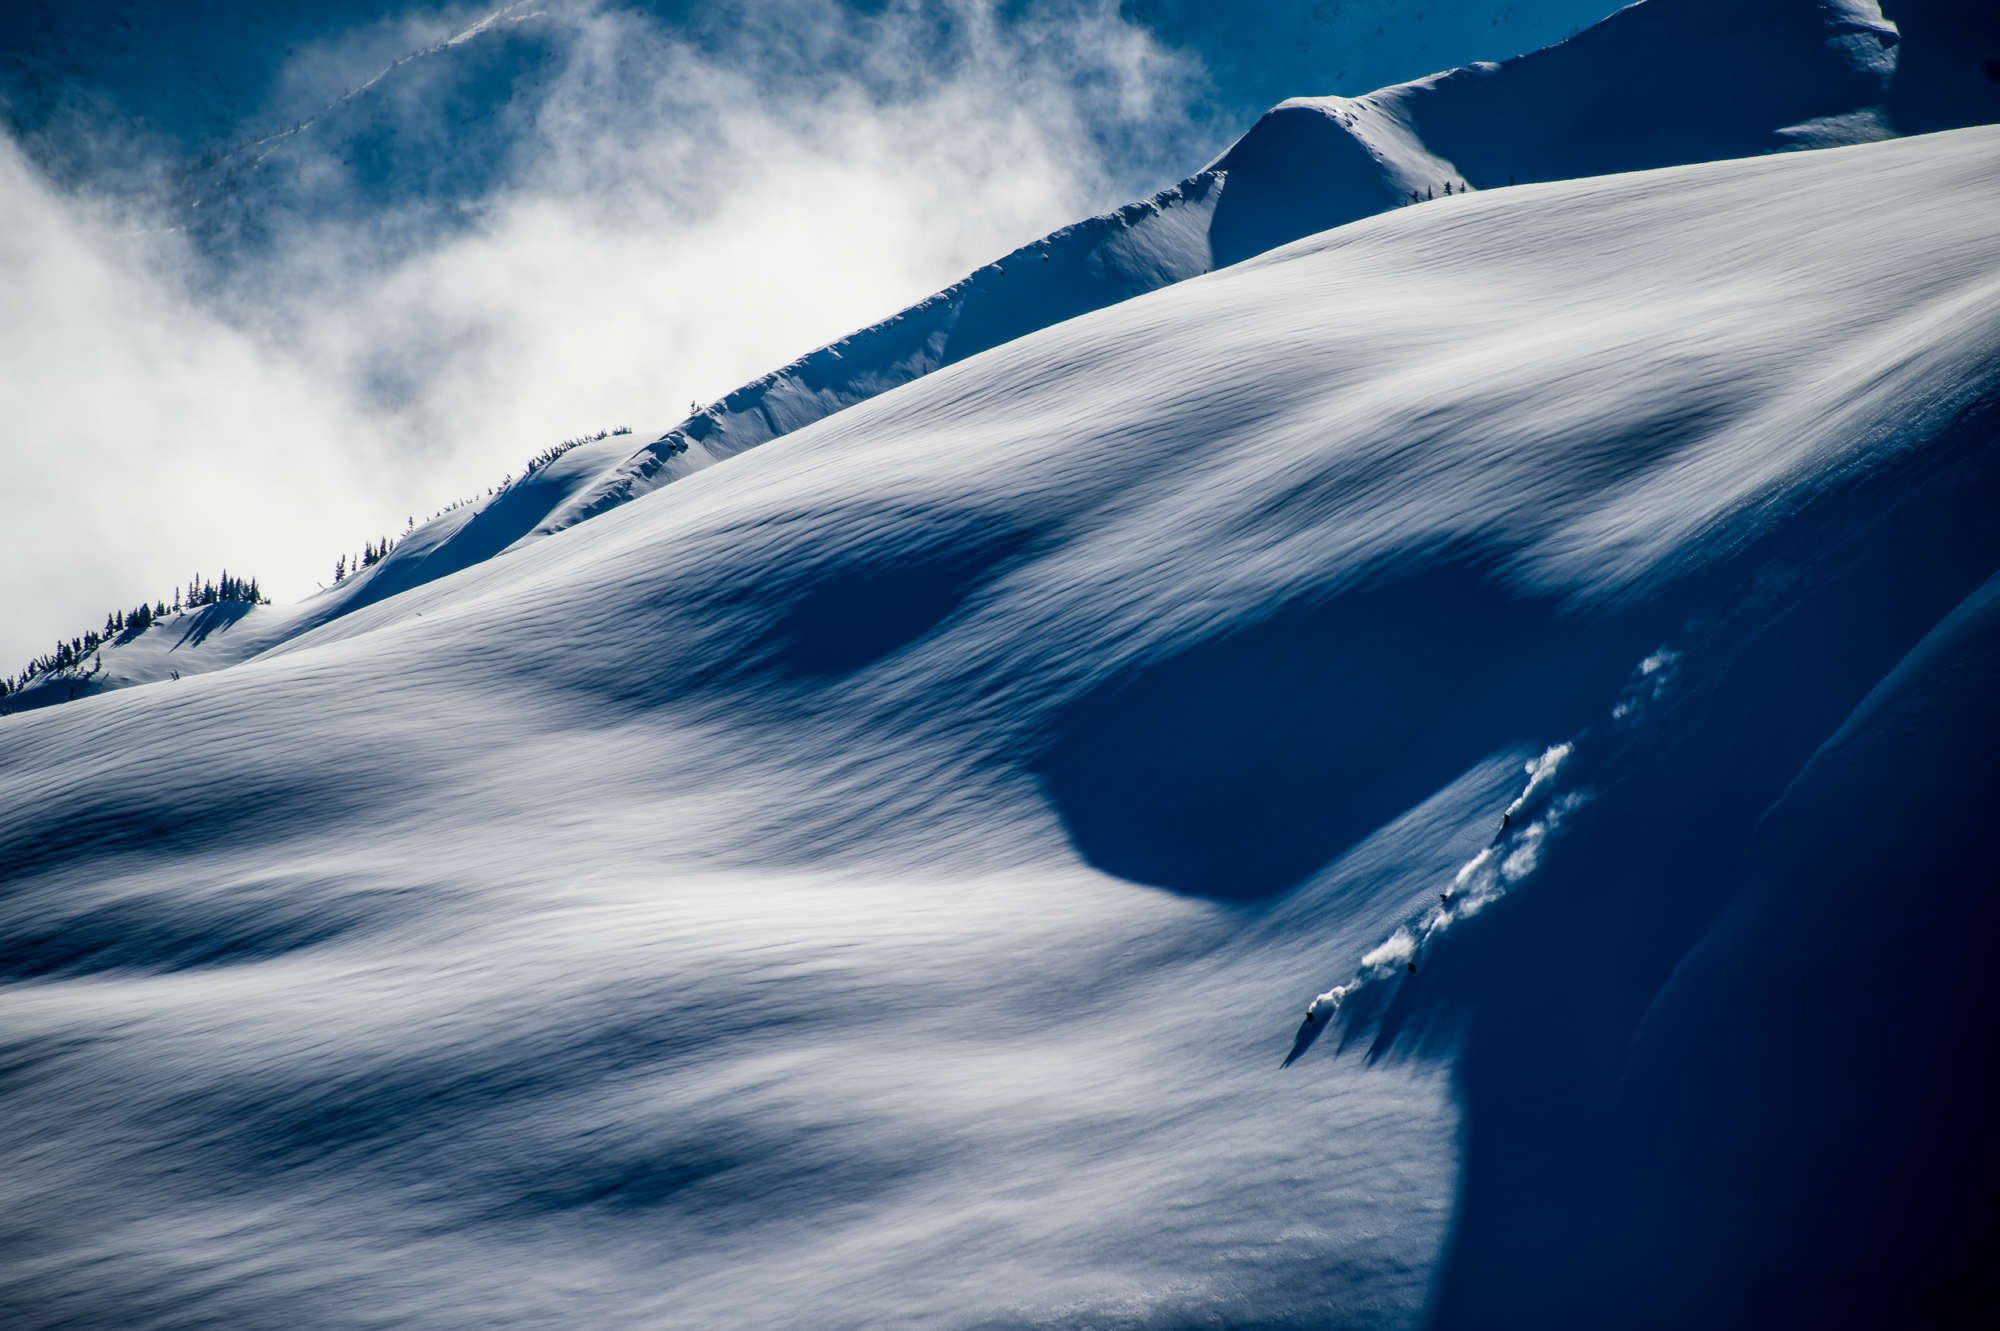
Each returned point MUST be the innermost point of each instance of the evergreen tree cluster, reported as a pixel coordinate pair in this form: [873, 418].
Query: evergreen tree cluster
[201, 592]
[554, 451]
[372, 553]
[125, 625]
[1430, 192]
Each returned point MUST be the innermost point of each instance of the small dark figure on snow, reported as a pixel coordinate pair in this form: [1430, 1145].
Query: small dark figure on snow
[1505, 818]
[1413, 968]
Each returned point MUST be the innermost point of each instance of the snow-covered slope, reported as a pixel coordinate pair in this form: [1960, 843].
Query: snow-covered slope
[875, 881]
[1099, 262]
[214, 637]
[1658, 83]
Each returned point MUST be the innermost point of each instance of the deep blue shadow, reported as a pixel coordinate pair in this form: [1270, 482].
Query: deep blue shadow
[1801, 1139]
[1235, 768]
[858, 613]
[156, 933]
[1308, 1032]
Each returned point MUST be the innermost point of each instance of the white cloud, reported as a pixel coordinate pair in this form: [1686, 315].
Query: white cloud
[663, 222]
[143, 435]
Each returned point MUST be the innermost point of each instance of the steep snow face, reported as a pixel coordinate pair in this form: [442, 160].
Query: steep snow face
[876, 880]
[1859, 938]
[1658, 83]
[1948, 64]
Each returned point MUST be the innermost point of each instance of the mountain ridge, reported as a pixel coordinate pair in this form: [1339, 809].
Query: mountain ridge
[910, 847]
[1791, 74]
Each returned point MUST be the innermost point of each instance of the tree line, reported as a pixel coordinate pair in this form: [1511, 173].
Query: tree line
[1429, 192]
[374, 552]
[554, 451]
[124, 625]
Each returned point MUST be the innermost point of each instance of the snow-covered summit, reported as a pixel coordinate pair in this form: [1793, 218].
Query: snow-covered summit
[1658, 83]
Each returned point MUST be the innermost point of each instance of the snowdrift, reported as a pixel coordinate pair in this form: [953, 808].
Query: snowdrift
[874, 881]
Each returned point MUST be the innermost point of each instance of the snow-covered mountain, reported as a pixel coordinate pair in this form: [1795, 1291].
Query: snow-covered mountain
[1757, 77]
[1437, 773]
[1768, 76]
[874, 882]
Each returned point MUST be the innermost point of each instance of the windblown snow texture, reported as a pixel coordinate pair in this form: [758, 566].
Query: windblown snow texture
[874, 881]
[1756, 77]
[1774, 75]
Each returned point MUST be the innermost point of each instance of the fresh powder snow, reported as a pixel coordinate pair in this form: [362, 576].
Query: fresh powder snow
[1437, 773]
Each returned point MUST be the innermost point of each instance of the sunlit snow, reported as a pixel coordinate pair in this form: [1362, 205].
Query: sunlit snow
[877, 879]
